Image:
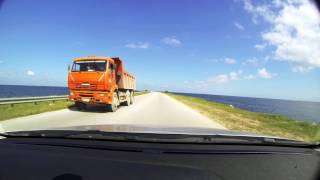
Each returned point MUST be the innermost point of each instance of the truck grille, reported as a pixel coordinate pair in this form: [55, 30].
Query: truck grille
[79, 86]
[86, 95]
[86, 86]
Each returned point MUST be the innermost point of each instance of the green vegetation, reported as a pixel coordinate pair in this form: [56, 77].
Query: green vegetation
[137, 93]
[17, 110]
[262, 123]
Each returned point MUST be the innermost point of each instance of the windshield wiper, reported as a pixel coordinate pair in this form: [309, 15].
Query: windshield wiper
[152, 137]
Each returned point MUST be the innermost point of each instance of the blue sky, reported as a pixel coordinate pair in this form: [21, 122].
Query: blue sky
[236, 47]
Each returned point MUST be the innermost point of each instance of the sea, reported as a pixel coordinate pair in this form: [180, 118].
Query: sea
[300, 110]
[7, 91]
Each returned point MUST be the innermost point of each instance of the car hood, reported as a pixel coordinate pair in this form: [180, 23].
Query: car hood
[161, 130]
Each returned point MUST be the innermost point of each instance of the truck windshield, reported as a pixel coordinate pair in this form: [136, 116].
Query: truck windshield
[88, 66]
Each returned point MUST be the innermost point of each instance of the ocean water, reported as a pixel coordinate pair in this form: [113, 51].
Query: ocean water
[300, 110]
[26, 91]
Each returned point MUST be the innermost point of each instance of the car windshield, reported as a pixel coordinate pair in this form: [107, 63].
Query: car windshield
[218, 71]
[89, 66]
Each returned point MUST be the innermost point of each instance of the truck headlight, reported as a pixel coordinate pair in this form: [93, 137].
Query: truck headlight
[71, 93]
[102, 94]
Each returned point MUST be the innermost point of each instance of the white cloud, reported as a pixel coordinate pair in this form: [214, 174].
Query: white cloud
[250, 61]
[213, 60]
[258, 11]
[226, 78]
[171, 41]
[230, 61]
[250, 76]
[218, 79]
[263, 73]
[226, 60]
[301, 68]
[260, 47]
[30, 73]
[138, 45]
[294, 32]
[235, 75]
[238, 25]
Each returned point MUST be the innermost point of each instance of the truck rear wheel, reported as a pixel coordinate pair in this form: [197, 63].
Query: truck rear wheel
[128, 99]
[131, 97]
[115, 103]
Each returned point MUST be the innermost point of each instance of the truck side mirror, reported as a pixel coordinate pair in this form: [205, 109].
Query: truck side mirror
[68, 67]
[111, 68]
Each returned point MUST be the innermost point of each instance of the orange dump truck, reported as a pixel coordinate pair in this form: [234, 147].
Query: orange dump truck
[100, 80]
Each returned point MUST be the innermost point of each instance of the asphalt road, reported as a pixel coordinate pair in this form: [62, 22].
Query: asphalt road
[152, 109]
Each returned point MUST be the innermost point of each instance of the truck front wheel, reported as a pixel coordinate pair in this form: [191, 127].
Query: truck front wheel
[80, 105]
[115, 103]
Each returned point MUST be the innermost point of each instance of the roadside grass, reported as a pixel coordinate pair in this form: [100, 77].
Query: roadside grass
[17, 110]
[25, 109]
[140, 93]
[261, 123]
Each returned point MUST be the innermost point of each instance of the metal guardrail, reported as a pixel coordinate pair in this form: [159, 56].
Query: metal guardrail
[21, 100]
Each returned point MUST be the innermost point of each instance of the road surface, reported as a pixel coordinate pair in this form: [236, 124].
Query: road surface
[152, 109]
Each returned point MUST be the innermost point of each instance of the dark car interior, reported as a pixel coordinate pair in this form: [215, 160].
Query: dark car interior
[38, 158]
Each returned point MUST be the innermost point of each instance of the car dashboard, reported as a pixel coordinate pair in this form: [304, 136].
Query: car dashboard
[80, 159]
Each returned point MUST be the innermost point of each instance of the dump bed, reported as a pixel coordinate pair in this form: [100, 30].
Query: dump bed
[124, 79]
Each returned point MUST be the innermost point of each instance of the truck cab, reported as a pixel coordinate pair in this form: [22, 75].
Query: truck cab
[100, 80]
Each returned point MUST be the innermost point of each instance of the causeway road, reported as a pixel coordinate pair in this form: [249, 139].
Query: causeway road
[153, 109]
